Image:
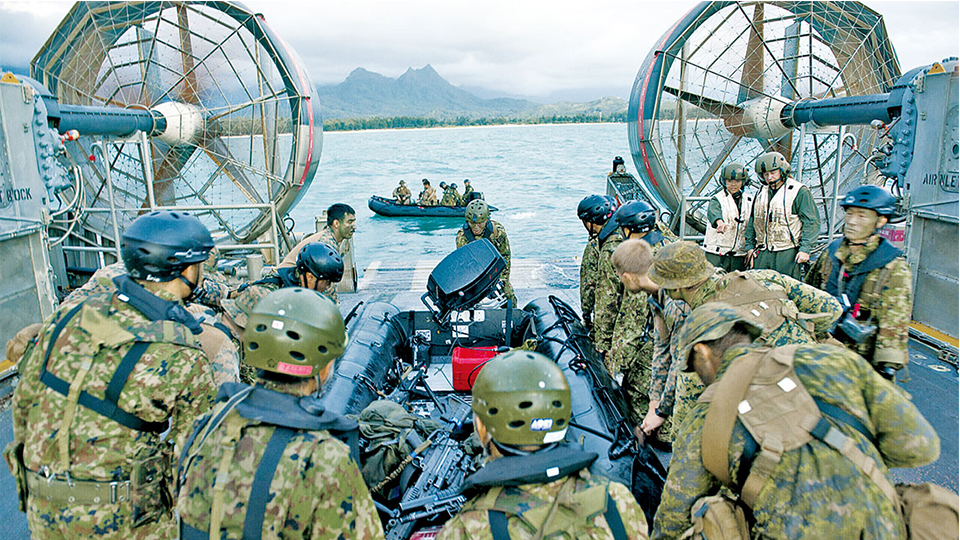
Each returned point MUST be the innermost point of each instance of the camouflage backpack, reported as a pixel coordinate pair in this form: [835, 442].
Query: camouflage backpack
[390, 433]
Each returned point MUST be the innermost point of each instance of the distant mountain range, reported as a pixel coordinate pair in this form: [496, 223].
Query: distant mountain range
[424, 93]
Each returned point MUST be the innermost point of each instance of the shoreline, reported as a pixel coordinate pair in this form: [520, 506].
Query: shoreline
[483, 126]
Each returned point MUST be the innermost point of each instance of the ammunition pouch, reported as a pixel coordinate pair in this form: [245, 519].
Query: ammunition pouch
[13, 455]
[717, 517]
[150, 483]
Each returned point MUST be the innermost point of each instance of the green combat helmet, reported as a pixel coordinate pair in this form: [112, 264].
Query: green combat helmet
[477, 211]
[706, 323]
[680, 264]
[734, 171]
[772, 161]
[522, 398]
[294, 331]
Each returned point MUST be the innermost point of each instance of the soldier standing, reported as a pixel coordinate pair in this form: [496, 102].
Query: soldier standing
[594, 211]
[428, 197]
[319, 268]
[108, 376]
[401, 193]
[630, 352]
[467, 189]
[479, 225]
[266, 462]
[534, 485]
[832, 479]
[784, 223]
[874, 277]
[727, 216]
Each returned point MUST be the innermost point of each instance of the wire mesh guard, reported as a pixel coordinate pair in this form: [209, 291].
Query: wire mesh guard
[710, 90]
[248, 116]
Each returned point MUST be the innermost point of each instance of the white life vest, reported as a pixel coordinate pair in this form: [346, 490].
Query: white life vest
[733, 239]
[777, 228]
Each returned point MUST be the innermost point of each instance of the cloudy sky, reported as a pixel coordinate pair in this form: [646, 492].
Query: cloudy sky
[549, 50]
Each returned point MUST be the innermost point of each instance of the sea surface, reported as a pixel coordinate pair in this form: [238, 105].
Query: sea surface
[535, 175]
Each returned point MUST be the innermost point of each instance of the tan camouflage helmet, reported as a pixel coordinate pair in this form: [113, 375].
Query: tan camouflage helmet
[706, 323]
[241, 306]
[522, 398]
[734, 171]
[772, 161]
[477, 211]
[680, 264]
[294, 331]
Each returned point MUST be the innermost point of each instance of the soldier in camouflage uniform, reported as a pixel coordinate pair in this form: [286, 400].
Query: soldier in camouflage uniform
[428, 197]
[267, 462]
[467, 189]
[520, 490]
[874, 276]
[479, 225]
[631, 349]
[594, 211]
[794, 312]
[814, 490]
[341, 224]
[402, 194]
[450, 195]
[319, 268]
[113, 382]
[784, 222]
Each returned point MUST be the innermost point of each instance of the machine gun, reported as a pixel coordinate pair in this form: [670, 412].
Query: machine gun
[444, 466]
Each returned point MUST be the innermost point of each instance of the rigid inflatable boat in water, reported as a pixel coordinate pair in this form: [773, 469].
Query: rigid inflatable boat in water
[389, 208]
[426, 361]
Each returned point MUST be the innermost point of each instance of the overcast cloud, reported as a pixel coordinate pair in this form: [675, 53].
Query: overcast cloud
[551, 50]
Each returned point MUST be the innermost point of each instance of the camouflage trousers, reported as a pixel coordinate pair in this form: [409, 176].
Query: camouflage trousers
[637, 374]
[689, 388]
[52, 521]
[784, 262]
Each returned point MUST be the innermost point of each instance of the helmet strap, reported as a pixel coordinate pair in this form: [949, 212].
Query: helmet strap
[510, 450]
[191, 285]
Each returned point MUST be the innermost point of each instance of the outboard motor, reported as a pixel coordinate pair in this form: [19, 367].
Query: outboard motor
[465, 278]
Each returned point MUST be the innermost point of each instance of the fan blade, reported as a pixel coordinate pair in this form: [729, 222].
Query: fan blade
[221, 155]
[713, 106]
[188, 92]
[751, 80]
[784, 145]
[166, 170]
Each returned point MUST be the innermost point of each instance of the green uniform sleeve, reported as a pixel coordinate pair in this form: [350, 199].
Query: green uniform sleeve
[461, 239]
[196, 396]
[634, 521]
[808, 299]
[714, 212]
[750, 235]
[893, 316]
[804, 207]
[588, 281]
[814, 276]
[607, 307]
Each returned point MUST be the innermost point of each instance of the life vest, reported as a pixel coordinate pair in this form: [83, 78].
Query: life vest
[548, 518]
[256, 405]
[777, 227]
[487, 232]
[732, 240]
[168, 323]
[769, 308]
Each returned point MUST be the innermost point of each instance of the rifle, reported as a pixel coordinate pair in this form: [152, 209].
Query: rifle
[443, 470]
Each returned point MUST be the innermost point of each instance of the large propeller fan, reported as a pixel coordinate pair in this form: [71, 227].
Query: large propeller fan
[713, 89]
[241, 119]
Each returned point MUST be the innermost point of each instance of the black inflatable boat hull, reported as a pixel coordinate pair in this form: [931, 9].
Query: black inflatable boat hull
[389, 208]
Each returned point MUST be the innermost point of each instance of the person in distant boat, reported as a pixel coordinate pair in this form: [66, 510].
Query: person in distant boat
[534, 484]
[874, 277]
[467, 189]
[727, 218]
[784, 223]
[402, 194]
[456, 192]
[428, 197]
[479, 225]
[618, 166]
[450, 195]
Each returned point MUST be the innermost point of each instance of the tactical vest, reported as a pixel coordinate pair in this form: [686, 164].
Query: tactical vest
[546, 518]
[732, 240]
[769, 308]
[102, 333]
[254, 406]
[777, 227]
[762, 389]
[487, 232]
[837, 281]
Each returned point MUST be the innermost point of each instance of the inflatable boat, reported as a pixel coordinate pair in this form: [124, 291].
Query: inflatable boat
[389, 208]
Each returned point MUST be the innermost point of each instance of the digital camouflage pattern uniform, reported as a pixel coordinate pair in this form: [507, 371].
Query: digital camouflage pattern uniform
[588, 281]
[402, 194]
[325, 236]
[316, 492]
[217, 341]
[428, 197]
[888, 308]
[814, 491]
[502, 243]
[467, 189]
[472, 523]
[666, 324]
[170, 382]
[451, 197]
[609, 292]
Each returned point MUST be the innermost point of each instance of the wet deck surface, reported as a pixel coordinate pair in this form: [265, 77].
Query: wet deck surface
[932, 382]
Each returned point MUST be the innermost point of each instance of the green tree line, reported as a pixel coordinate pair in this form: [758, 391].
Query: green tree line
[402, 122]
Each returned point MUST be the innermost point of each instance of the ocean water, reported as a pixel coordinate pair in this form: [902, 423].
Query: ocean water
[536, 176]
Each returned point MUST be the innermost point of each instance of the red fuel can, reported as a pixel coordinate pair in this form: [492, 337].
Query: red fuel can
[467, 363]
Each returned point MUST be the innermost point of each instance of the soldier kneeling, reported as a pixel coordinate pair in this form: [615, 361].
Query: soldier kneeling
[535, 485]
[267, 462]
